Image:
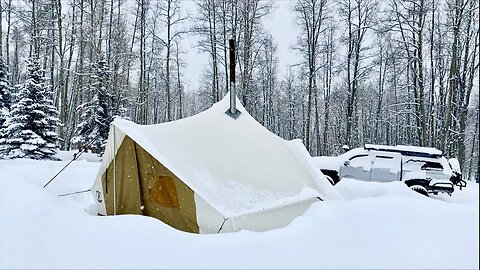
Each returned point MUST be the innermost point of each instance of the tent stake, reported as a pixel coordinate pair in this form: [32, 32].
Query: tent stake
[72, 193]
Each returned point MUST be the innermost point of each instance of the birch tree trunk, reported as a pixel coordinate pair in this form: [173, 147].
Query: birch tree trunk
[310, 14]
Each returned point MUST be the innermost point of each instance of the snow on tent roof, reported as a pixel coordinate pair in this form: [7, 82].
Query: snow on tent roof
[222, 159]
[406, 149]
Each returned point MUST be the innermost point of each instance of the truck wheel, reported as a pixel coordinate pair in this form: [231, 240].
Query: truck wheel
[420, 189]
[330, 179]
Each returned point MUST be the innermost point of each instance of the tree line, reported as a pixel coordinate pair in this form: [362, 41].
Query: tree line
[387, 72]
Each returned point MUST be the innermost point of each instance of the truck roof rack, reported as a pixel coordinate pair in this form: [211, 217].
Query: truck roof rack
[407, 150]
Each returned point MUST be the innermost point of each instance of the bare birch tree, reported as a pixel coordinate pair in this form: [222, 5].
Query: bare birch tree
[310, 16]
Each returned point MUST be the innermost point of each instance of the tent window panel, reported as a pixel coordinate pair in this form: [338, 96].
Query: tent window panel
[162, 190]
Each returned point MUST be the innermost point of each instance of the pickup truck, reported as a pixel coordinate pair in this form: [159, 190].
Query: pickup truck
[423, 169]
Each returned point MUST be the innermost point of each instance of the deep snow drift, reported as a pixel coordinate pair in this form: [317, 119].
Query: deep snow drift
[376, 226]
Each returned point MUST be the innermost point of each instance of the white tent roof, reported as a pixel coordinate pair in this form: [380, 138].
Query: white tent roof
[223, 159]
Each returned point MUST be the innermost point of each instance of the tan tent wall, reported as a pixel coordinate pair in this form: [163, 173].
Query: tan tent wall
[144, 186]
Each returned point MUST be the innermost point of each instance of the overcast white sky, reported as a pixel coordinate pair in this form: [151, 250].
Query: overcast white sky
[280, 24]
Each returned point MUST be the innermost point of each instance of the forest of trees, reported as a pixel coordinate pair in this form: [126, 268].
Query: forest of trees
[371, 71]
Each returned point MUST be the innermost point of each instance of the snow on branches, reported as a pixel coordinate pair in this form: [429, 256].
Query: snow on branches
[29, 131]
[97, 113]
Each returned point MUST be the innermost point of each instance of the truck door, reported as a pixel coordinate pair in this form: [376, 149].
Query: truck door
[357, 167]
[386, 168]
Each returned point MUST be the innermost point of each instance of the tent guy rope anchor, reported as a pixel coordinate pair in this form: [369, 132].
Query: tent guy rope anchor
[73, 193]
[75, 156]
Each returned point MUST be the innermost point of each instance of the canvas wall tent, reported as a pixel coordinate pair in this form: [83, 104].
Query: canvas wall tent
[208, 173]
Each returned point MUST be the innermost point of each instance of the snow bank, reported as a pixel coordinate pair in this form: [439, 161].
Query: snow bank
[378, 226]
[68, 155]
[352, 189]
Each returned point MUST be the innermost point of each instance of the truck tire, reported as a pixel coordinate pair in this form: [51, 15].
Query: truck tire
[330, 179]
[331, 175]
[420, 189]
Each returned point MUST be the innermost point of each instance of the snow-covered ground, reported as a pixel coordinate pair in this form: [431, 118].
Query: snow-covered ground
[376, 226]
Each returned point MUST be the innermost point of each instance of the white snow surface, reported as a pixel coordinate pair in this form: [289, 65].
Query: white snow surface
[335, 162]
[376, 226]
[327, 162]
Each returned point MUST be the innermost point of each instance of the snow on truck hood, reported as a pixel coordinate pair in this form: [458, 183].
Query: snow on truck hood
[223, 158]
[327, 162]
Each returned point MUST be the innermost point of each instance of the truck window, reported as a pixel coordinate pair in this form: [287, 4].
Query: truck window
[432, 166]
[363, 161]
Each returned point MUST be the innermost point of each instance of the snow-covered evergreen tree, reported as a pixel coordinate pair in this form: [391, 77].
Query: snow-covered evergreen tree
[5, 102]
[97, 113]
[30, 129]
